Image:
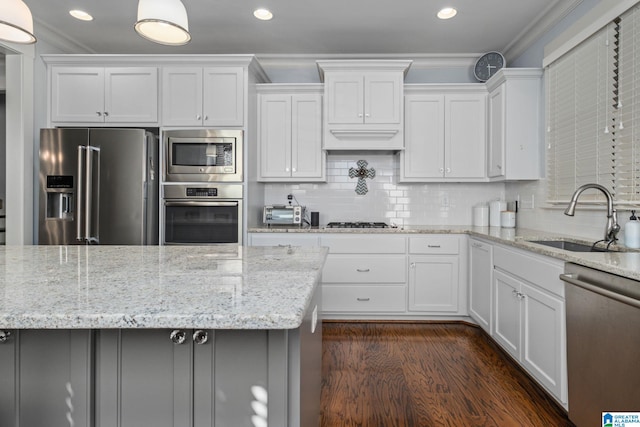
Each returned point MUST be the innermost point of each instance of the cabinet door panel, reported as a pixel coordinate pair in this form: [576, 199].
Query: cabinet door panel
[507, 312]
[542, 349]
[240, 364]
[465, 136]
[77, 94]
[382, 98]
[223, 96]
[143, 379]
[496, 133]
[131, 95]
[306, 136]
[275, 136]
[182, 96]
[480, 296]
[346, 100]
[54, 378]
[433, 283]
[424, 137]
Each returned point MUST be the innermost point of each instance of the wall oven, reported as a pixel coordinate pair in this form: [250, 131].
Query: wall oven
[202, 214]
[212, 155]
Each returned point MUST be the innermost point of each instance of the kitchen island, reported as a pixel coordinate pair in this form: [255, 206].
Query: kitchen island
[160, 336]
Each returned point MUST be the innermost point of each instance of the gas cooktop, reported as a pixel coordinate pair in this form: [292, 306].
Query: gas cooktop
[359, 224]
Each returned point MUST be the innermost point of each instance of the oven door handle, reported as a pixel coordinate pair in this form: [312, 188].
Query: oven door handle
[197, 203]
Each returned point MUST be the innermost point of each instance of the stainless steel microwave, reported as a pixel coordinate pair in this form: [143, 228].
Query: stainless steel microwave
[283, 215]
[210, 155]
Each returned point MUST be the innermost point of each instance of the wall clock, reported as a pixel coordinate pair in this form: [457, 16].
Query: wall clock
[487, 65]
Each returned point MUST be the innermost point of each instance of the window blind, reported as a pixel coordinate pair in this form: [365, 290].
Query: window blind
[593, 121]
[627, 150]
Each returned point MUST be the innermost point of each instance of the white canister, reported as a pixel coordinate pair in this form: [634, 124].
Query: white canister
[481, 215]
[495, 207]
[508, 219]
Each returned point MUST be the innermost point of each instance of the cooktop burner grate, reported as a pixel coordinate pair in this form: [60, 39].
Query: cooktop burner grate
[359, 224]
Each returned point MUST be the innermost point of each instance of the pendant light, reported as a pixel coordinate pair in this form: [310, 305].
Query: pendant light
[16, 22]
[163, 21]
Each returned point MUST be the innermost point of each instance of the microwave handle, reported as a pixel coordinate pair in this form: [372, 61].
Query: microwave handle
[197, 203]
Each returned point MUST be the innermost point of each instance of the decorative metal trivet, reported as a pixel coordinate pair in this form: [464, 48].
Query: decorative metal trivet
[361, 173]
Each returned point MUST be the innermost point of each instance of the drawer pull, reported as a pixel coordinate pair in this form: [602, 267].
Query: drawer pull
[433, 246]
[363, 299]
[363, 270]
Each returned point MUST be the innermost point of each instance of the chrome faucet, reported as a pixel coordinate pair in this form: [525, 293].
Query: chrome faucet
[612, 216]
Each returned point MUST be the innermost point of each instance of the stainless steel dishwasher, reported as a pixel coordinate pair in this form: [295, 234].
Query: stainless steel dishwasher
[603, 344]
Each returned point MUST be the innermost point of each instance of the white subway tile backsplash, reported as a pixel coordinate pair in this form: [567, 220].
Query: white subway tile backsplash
[400, 204]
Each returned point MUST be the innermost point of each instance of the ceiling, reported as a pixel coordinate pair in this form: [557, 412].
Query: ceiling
[305, 27]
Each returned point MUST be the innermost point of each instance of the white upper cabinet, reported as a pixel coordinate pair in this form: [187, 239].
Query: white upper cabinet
[363, 104]
[445, 134]
[197, 96]
[290, 135]
[104, 95]
[515, 124]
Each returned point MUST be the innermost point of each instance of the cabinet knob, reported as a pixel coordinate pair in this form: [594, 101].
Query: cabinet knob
[359, 114]
[4, 336]
[198, 117]
[499, 166]
[293, 169]
[106, 113]
[286, 169]
[99, 113]
[200, 337]
[413, 265]
[206, 117]
[441, 170]
[367, 115]
[448, 170]
[178, 336]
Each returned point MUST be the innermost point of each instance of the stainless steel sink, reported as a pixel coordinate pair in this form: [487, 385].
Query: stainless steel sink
[568, 245]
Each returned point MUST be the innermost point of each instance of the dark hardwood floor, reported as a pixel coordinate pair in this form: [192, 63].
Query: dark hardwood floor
[425, 374]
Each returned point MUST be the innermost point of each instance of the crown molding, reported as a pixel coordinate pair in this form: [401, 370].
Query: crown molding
[546, 20]
[419, 60]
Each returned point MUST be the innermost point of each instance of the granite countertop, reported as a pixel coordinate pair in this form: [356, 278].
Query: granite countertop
[207, 287]
[621, 260]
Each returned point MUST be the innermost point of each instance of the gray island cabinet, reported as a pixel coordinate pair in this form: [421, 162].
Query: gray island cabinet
[169, 336]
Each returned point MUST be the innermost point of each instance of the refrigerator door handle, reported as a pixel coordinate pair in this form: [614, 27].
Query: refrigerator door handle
[92, 198]
[81, 217]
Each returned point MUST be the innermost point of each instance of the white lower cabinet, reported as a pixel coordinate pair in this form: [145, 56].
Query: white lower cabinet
[364, 274]
[480, 279]
[283, 239]
[434, 275]
[529, 317]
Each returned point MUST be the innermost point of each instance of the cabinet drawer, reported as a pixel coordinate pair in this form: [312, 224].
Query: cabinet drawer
[435, 244]
[365, 269]
[364, 244]
[362, 298]
[283, 239]
[537, 269]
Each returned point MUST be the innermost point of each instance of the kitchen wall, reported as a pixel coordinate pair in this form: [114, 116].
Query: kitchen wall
[387, 199]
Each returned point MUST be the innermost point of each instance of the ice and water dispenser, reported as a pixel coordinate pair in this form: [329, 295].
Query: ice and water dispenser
[60, 197]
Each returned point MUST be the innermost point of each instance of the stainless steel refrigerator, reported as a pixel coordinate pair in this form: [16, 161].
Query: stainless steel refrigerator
[98, 186]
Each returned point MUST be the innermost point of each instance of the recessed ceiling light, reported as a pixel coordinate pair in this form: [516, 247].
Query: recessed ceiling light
[263, 14]
[81, 15]
[447, 13]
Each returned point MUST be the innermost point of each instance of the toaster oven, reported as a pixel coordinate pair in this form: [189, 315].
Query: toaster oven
[283, 215]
